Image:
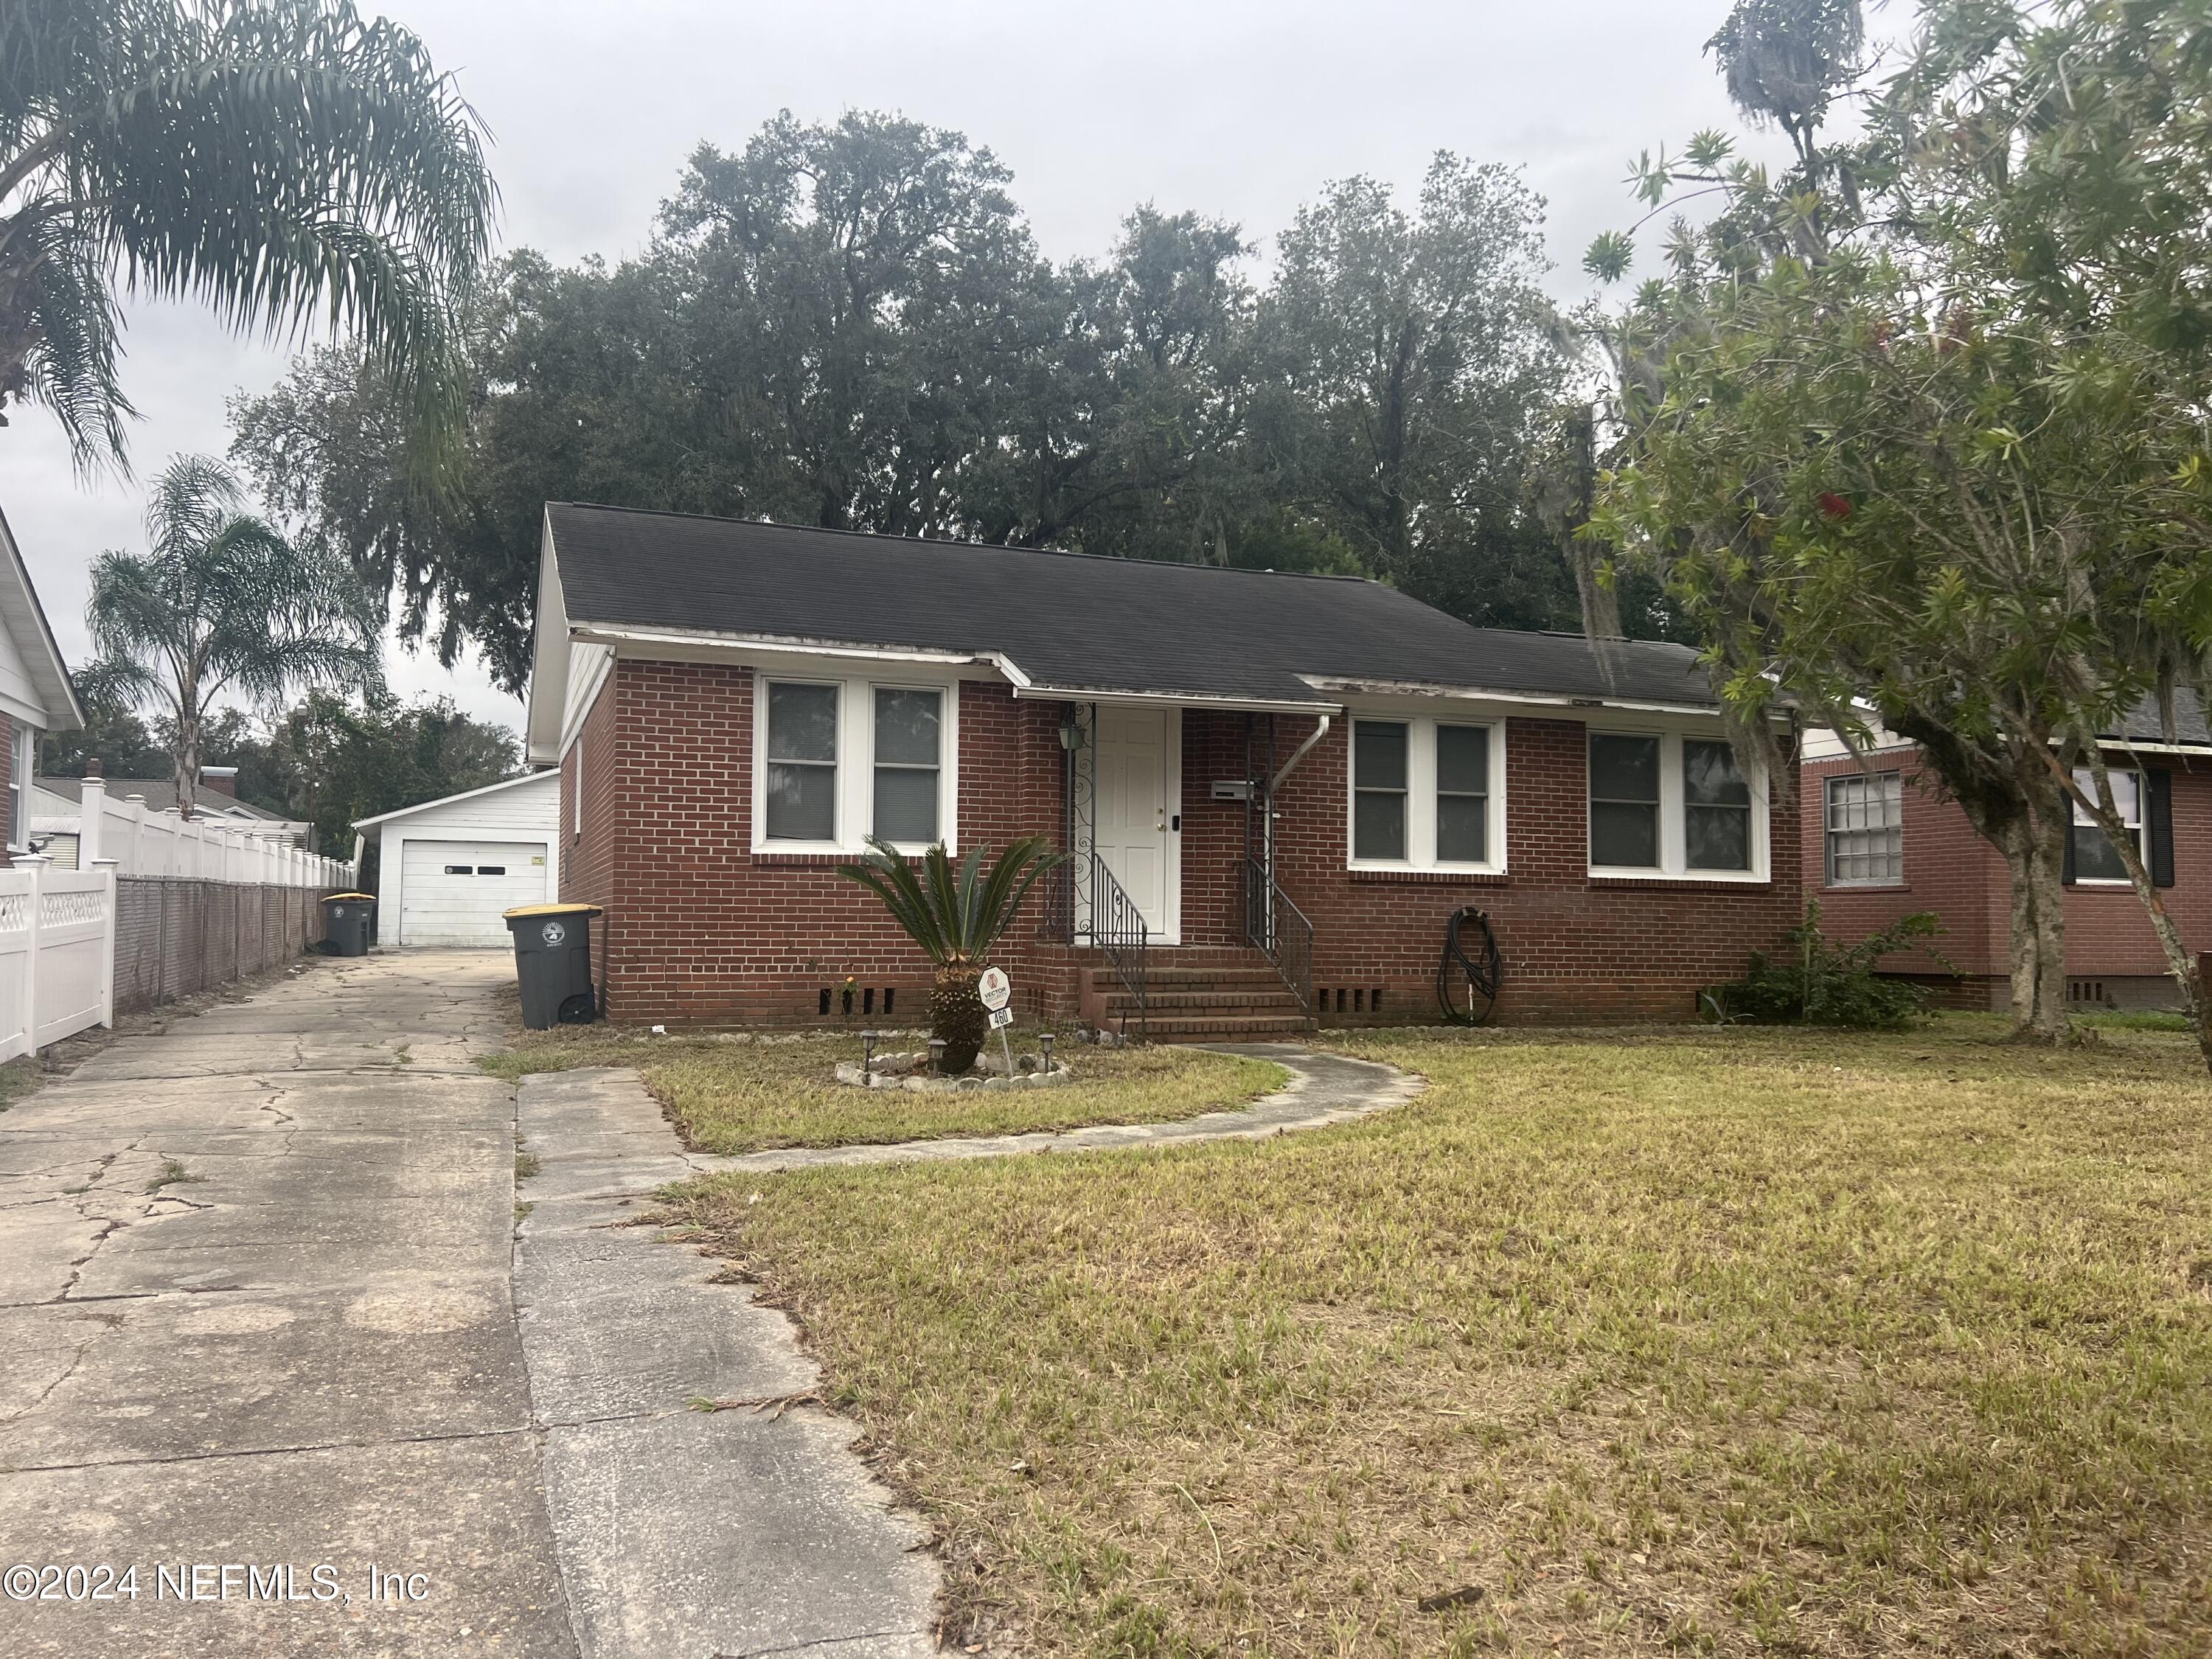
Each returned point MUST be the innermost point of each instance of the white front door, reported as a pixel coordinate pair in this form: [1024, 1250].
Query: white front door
[1136, 769]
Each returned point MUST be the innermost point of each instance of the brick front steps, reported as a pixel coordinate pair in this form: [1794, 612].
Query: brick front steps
[1202, 995]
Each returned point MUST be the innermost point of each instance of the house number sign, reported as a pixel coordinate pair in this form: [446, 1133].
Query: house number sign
[993, 989]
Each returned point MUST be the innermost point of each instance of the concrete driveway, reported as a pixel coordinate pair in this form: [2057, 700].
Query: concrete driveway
[263, 1389]
[255, 1321]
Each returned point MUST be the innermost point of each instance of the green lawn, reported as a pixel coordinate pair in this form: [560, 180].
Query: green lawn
[1733, 1341]
[748, 1096]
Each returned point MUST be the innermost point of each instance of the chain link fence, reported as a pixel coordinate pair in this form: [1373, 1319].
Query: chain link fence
[174, 937]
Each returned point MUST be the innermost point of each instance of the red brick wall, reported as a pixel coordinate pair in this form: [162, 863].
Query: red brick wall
[701, 929]
[1576, 948]
[1950, 870]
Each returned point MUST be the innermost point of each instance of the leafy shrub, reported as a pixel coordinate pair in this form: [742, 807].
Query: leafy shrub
[1826, 984]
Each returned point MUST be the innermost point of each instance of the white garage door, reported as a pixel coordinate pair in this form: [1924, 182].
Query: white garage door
[451, 892]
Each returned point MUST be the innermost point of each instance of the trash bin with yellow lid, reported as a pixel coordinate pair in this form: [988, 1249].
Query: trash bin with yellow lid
[348, 919]
[553, 961]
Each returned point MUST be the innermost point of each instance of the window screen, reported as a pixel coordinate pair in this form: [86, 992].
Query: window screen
[1462, 793]
[908, 724]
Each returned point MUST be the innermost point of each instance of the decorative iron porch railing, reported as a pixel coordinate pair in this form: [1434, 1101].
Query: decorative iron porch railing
[1085, 904]
[1117, 927]
[1280, 932]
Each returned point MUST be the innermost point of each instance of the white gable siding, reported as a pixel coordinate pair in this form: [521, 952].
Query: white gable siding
[525, 815]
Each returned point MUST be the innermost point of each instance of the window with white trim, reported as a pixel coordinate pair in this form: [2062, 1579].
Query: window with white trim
[1378, 790]
[1427, 794]
[2096, 858]
[909, 750]
[1624, 802]
[1865, 829]
[840, 760]
[1665, 803]
[801, 801]
[22, 742]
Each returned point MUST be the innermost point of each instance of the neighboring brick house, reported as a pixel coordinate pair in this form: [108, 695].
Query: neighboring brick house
[734, 705]
[1881, 842]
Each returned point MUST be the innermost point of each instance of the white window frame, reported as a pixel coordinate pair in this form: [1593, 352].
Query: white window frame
[23, 742]
[1889, 780]
[1673, 850]
[1421, 793]
[2079, 819]
[855, 810]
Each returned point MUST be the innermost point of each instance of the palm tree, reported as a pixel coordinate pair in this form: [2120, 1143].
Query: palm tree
[279, 160]
[956, 918]
[222, 605]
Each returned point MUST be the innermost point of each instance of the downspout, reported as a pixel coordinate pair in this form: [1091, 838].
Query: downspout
[1299, 754]
[1320, 731]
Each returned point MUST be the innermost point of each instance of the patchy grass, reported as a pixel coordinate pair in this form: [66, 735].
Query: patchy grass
[18, 1077]
[2137, 1020]
[732, 1097]
[1712, 1341]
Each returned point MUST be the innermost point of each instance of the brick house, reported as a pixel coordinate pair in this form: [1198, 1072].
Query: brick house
[1881, 842]
[1233, 758]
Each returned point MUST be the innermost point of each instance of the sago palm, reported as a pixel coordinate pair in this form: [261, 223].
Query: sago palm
[956, 916]
[280, 160]
[220, 606]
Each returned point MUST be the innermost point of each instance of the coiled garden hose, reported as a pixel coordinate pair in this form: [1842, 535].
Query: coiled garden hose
[1467, 978]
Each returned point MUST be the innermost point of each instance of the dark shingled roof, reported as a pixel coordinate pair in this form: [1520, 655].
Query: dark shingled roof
[1074, 621]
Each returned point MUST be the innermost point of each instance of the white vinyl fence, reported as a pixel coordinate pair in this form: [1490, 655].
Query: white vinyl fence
[164, 843]
[206, 904]
[57, 953]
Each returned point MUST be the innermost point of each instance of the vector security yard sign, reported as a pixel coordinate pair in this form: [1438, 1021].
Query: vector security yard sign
[993, 989]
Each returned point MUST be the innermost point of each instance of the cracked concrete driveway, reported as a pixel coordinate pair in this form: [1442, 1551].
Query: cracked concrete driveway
[258, 1311]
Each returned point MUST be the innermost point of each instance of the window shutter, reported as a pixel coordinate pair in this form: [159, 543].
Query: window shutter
[2159, 821]
[2066, 874]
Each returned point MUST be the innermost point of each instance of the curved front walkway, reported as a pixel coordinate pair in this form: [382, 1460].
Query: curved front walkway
[1323, 1089]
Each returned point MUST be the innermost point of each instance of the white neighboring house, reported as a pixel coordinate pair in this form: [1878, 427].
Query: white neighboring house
[448, 867]
[35, 694]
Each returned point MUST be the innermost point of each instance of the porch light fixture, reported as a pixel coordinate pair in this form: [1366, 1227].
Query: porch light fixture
[1071, 734]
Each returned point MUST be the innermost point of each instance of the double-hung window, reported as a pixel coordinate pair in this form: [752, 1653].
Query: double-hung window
[1462, 793]
[1662, 804]
[1427, 794]
[1865, 827]
[1624, 802]
[2096, 858]
[907, 761]
[844, 760]
[802, 762]
[1715, 808]
[1379, 788]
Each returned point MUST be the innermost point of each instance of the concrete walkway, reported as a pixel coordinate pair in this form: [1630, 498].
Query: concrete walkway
[1323, 1089]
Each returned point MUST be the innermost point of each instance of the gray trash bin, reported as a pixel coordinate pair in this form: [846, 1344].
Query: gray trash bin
[553, 961]
[348, 919]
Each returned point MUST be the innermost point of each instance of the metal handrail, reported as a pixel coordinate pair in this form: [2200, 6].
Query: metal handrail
[1117, 927]
[1280, 932]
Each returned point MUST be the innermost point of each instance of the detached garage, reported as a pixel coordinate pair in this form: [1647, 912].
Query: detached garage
[447, 868]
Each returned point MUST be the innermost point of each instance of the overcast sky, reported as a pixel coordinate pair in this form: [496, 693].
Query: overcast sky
[1231, 108]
